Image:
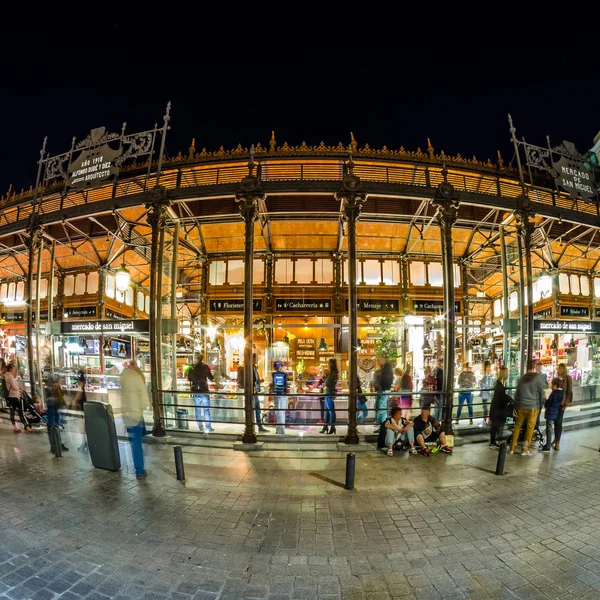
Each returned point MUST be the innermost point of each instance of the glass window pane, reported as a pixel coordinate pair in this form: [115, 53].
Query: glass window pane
[324, 271]
[258, 271]
[109, 287]
[140, 301]
[304, 270]
[43, 288]
[457, 277]
[283, 270]
[372, 272]
[597, 287]
[575, 285]
[33, 289]
[148, 304]
[92, 283]
[391, 272]
[563, 283]
[585, 285]
[20, 293]
[3, 292]
[498, 307]
[545, 286]
[436, 277]
[129, 296]
[12, 288]
[80, 283]
[70, 286]
[216, 275]
[417, 273]
[513, 302]
[235, 272]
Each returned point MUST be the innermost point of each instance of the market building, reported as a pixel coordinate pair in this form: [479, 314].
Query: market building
[298, 254]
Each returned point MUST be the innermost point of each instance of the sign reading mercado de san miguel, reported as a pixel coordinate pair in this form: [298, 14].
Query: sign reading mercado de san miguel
[100, 327]
[566, 326]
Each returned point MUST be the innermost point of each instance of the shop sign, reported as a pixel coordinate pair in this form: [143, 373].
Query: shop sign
[325, 355]
[543, 314]
[574, 311]
[367, 347]
[297, 304]
[233, 305]
[376, 305]
[111, 314]
[432, 306]
[15, 317]
[119, 326]
[76, 312]
[142, 346]
[306, 348]
[566, 326]
[574, 178]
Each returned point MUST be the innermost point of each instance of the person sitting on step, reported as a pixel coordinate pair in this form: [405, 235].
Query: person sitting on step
[398, 429]
[427, 429]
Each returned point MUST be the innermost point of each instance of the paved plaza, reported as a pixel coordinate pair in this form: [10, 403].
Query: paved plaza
[278, 524]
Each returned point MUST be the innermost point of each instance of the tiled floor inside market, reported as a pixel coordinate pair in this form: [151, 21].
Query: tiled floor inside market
[278, 524]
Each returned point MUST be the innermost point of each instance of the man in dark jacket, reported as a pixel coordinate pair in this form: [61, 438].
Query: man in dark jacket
[384, 377]
[198, 377]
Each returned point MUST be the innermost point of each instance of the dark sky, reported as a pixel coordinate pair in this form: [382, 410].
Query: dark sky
[392, 73]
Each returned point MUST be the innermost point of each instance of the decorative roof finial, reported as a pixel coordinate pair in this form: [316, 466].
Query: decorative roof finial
[430, 150]
[251, 164]
[444, 168]
[353, 144]
[272, 143]
[192, 149]
[500, 160]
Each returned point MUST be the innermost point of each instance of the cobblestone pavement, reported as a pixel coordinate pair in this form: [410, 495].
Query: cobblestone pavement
[279, 526]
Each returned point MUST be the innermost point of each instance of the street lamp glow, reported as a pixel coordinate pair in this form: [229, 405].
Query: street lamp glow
[122, 279]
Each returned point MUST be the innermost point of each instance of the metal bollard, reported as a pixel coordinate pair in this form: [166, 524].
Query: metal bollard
[501, 458]
[55, 441]
[179, 463]
[350, 468]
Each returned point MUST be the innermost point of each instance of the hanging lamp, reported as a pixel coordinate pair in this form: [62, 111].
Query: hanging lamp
[122, 278]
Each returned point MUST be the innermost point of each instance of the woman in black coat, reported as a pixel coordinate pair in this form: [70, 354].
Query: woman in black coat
[500, 402]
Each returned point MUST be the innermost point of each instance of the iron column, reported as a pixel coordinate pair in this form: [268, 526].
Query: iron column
[447, 211]
[156, 219]
[35, 238]
[247, 197]
[352, 198]
[525, 230]
[505, 306]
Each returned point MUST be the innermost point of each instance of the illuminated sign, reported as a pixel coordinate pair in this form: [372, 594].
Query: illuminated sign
[432, 306]
[71, 312]
[233, 305]
[574, 311]
[566, 326]
[376, 305]
[297, 304]
[120, 326]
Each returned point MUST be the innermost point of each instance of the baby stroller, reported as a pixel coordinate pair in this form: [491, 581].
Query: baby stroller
[30, 410]
[538, 436]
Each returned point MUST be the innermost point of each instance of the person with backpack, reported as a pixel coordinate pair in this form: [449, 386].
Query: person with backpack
[501, 407]
[552, 406]
[384, 377]
[396, 429]
[198, 377]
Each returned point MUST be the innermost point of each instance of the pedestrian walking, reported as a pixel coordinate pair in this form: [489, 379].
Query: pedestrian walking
[529, 399]
[78, 404]
[54, 402]
[13, 393]
[256, 381]
[487, 383]
[406, 388]
[198, 377]
[330, 391]
[466, 382]
[279, 387]
[382, 381]
[134, 399]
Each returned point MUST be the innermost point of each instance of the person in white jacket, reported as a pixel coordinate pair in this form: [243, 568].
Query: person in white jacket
[134, 399]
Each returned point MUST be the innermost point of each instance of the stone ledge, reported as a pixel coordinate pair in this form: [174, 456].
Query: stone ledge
[248, 447]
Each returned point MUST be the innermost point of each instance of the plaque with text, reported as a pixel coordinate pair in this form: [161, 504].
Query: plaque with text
[79, 312]
[432, 306]
[376, 305]
[574, 311]
[299, 305]
[101, 327]
[233, 305]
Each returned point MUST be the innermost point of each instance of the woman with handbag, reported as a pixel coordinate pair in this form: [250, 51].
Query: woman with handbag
[502, 405]
[14, 400]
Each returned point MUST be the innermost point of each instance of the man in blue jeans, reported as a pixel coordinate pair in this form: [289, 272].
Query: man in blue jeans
[198, 377]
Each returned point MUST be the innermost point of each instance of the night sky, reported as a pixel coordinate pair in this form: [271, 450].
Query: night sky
[310, 71]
